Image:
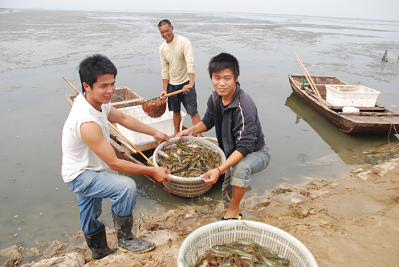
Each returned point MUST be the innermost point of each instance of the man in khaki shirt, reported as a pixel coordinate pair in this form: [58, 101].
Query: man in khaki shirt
[178, 72]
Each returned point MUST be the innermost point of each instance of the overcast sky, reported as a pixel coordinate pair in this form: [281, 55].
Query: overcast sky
[374, 9]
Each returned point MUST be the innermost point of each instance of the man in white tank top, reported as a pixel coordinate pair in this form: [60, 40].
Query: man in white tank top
[90, 166]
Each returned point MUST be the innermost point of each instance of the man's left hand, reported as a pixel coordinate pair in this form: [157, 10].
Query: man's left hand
[188, 87]
[212, 176]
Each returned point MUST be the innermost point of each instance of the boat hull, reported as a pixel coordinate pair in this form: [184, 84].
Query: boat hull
[383, 122]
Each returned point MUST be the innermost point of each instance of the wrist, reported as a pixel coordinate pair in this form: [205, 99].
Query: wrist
[151, 171]
[221, 171]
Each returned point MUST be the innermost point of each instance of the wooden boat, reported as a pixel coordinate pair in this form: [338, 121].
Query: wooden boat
[372, 120]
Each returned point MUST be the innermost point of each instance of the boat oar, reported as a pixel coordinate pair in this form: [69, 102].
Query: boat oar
[71, 85]
[114, 128]
[310, 81]
[308, 77]
[130, 143]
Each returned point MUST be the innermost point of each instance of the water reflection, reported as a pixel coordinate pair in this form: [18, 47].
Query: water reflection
[353, 150]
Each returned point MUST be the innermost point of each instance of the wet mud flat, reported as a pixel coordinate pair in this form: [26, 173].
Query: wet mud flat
[358, 212]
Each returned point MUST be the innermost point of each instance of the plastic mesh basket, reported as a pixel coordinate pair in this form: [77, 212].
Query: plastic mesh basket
[223, 232]
[188, 186]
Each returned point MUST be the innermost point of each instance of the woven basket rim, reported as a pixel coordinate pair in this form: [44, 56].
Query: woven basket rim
[187, 180]
[251, 224]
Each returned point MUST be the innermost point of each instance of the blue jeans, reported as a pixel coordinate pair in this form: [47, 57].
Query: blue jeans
[91, 187]
[241, 174]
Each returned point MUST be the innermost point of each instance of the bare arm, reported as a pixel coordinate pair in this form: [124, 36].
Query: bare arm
[165, 72]
[190, 85]
[116, 116]
[200, 127]
[165, 83]
[93, 137]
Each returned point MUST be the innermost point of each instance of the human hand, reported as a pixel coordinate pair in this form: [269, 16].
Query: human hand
[163, 93]
[187, 88]
[212, 176]
[185, 132]
[161, 137]
[161, 175]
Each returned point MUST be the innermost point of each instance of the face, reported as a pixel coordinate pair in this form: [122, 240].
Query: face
[224, 82]
[166, 31]
[102, 89]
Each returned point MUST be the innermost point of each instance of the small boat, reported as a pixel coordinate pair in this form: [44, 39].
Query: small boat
[376, 120]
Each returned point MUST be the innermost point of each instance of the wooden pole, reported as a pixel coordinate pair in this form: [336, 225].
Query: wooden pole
[130, 143]
[308, 77]
[114, 128]
[310, 81]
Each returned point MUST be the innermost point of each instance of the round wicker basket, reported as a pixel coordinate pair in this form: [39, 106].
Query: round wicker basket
[223, 232]
[188, 186]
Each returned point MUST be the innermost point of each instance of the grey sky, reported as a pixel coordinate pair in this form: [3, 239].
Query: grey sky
[374, 9]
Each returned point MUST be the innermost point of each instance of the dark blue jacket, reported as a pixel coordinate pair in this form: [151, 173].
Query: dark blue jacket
[237, 125]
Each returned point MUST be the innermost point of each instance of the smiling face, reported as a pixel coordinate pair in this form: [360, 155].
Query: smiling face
[102, 90]
[166, 31]
[225, 83]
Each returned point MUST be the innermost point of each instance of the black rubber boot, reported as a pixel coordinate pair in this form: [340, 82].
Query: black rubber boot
[97, 242]
[126, 239]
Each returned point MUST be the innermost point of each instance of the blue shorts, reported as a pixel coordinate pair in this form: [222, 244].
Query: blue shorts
[189, 99]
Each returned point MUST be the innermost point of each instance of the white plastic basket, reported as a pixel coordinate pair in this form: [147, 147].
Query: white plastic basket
[223, 232]
[351, 95]
[188, 186]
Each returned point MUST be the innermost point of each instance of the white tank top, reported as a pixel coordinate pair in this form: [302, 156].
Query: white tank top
[76, 155]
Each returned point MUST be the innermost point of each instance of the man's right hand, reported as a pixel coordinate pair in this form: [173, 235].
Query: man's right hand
[164, 92]
[185, 132]
[161, 175]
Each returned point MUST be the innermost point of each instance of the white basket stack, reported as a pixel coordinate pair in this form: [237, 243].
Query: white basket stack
[223, 232]
[188, 186]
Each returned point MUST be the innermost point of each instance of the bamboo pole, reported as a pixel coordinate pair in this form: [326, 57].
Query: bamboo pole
[308, 77]
[114, 128]
[311, 82]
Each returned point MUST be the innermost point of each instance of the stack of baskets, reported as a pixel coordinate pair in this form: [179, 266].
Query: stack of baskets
[188, 186]
[225, 232]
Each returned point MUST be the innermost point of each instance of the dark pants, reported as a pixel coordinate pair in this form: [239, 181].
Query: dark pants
[188, 99]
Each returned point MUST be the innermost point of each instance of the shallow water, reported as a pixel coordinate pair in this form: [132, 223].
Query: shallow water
[38, 48]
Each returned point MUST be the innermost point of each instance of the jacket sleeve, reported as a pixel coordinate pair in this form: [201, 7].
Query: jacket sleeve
[164, 64]
[209, 119]
[244, 127]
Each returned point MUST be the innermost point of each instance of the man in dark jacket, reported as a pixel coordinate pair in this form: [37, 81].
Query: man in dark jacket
[238, 130]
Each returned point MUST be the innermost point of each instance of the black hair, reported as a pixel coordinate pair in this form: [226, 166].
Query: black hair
[164, 22]
[224, 61]
[94, 66]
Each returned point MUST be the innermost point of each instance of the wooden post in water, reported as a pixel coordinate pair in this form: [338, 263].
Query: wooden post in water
[385, 56]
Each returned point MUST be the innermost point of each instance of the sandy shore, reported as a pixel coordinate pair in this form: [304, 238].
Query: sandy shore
[351, 221]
